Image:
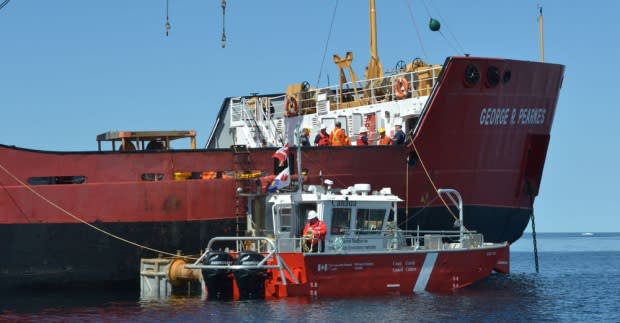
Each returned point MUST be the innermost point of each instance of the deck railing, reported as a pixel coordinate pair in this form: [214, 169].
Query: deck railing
[322, 100]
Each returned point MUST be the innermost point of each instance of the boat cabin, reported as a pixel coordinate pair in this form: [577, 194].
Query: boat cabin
[145, 140]
[357, 219]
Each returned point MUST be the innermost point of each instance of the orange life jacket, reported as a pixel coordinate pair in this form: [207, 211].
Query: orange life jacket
[323, 139]
[337, 138]
[385, 140]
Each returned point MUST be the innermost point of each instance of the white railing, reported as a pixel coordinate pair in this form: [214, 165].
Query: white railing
[271, 254]
[256, 120]
[259, 118]
[370, 91]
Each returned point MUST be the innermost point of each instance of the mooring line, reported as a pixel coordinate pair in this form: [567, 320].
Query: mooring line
[432, 183]
[86, 223]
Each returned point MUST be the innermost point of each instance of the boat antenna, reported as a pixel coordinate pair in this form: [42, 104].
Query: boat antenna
[167, 19]
[542, 34]
[223, 23]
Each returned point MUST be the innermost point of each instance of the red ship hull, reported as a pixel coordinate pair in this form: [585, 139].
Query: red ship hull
[367, 274]
[488, 142]
[390, 274]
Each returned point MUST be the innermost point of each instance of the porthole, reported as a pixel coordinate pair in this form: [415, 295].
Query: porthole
[507, 76]
[493, 76]
[472, 75]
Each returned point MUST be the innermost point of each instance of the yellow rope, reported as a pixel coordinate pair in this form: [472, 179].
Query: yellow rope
[86, 223]
[431, 181]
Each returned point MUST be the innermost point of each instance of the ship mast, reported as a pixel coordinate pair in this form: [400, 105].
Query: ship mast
[374, 69]
[542, 35]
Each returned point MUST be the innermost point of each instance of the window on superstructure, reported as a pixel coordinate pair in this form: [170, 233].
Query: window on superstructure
[285, 219]
[344, 122]
[369, 221]
[341, 221]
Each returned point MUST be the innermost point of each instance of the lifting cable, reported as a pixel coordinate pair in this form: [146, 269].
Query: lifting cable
[167, 19]
[460, 48]
[331, 28]
[86, 223]
[417, 30]
[4, 3]
[223, 23]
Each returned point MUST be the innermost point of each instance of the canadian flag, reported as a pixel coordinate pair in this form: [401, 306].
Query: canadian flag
[281, 154]
[282, 180]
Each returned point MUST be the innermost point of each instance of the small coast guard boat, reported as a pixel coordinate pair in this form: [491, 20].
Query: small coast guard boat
[363, 253]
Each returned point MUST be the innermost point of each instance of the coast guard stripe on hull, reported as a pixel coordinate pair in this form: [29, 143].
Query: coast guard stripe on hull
[425, 273]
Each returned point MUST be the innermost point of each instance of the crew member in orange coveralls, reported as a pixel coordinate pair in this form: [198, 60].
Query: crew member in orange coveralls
[314, 233]
[383, 139]
[338, 137]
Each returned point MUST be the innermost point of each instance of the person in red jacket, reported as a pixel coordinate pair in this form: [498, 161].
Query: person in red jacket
[322, 138]
[314, 233]
[362, 138]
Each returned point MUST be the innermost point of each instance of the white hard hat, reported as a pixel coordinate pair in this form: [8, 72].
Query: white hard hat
[363, 129]
[323, 126]
[312, 214]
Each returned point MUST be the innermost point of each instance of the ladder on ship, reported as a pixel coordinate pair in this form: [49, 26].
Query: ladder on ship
[242, 162]
[257, 126]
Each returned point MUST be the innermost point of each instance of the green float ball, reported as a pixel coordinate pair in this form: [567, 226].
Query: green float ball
[434, 24]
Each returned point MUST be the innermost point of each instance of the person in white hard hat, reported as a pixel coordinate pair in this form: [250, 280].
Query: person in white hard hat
[322, 138]
[314, 232]
[362, 137]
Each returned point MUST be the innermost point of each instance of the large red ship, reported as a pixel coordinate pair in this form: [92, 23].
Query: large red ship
[479, 125]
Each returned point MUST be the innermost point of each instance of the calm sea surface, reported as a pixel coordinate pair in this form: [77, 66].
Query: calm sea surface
[579, 281]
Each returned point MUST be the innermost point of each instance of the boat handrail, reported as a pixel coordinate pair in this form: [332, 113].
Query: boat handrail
[407, 240]
[271, 254]
[370, 91]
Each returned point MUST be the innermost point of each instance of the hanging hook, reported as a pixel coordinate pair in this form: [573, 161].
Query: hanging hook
[167, 20]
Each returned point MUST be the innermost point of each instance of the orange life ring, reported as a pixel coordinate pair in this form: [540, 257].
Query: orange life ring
[292, 109]
[401, 87]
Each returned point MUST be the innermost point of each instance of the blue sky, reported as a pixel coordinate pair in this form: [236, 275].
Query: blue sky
[70, 70]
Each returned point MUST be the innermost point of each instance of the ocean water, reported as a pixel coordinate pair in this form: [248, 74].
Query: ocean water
[579, 281]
